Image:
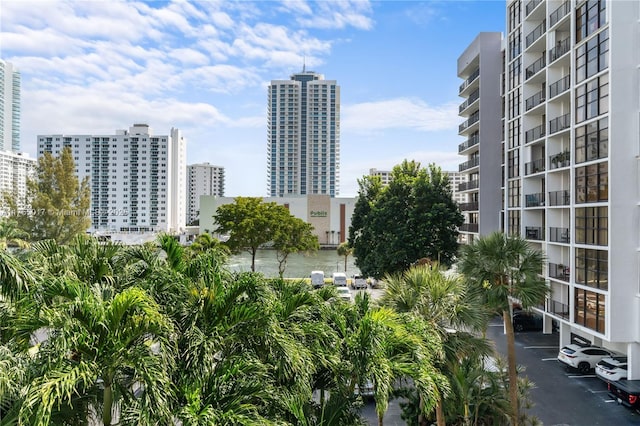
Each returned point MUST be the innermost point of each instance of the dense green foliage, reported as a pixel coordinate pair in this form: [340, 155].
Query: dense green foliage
[413, 218]
[57, 203]
[251, 223]
[505, 270]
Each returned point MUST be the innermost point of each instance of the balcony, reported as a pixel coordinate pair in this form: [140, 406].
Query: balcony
[533, 69]
[535, 166]
[475, 95]
[561, 159]
[469, 164]
[534, 100]
[468, 227]
[530, 6]
[559, 198]
[559, 13]
[561, 48]
[560, 123]
[560, 86]
[469, 80]
[559, 309]
[533, 134]
[559, 271]
[559, 235]
[534, 233]
[471, 141]
[465, 207]
[473, 119]
[465, 186]
[534, 200]
[536, 33]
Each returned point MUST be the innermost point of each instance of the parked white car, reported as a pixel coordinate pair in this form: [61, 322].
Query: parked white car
[344, 293]
[611, 369]
[359, 282]
[583, 358]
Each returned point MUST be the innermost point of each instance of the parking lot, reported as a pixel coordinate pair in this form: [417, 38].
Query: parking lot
[561, 397]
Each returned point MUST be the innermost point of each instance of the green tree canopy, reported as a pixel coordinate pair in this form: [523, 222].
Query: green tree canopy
[292, 235]
[58, 203]
[414, 217]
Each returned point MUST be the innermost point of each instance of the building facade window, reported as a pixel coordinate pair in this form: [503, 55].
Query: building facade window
[515, 71]
[589, 309]
[514, 193]
[592, 183]
[514, 133]
[592, 141]
[592, 99]
[515, 44]
[514, 15]
[592, 56]
[590, 15]
[514, 222]
[514, 103]
[592, 225]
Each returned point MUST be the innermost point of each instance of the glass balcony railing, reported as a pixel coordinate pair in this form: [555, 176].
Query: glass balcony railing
[534, 200]
[559, 13]
[473, 119]
[536, 33]
[559, 235]
[560, 123]
[561, 48]
[465, 186]
[559, 198]
[465, 207]
[535, 67]
[468, 227]
[471, 141]
[559, 271]
[534, 233]
[534, 100]
[469, 164]
[472, 98]
[535, 133]
[559, 309]
[560, 86]
[469, 80]
[535, 166]
[530, 6]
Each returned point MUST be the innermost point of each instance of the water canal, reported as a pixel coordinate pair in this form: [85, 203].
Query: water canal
[298, 265]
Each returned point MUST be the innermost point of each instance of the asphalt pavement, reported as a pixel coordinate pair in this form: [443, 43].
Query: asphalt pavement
[561, 397]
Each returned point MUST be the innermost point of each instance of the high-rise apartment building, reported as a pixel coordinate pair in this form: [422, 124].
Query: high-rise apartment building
[9, 107]
[202, 179]
[455, 179]
[572, 120]
[137, 179]
[303, 131]
[480, 66]
[15, 169]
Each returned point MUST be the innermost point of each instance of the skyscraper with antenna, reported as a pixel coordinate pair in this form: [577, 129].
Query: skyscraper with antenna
[303, 135]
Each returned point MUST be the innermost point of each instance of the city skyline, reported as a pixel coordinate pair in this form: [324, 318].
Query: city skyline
[204, 67]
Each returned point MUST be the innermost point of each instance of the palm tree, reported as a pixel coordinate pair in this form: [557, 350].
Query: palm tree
[102, 348]
[11, 235]
[448, 305]
[506, 270]
[345, 250]
[384, 346]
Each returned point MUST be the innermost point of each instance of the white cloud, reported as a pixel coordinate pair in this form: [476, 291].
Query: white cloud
[399, 113]
[338, 14]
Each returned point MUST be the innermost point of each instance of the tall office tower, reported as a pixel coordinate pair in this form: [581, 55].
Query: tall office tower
[574, 144]
[15, 169]
[303, 148]
[9, 107]
[137, 178]
[202, 179]
[480, 66]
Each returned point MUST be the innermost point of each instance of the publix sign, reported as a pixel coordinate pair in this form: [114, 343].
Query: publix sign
[318, 213]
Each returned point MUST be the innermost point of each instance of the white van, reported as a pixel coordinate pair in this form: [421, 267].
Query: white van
[317, 278]
[339, 279]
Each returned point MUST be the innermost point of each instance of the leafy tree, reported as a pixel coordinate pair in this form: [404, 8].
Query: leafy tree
[58, 203]
[205, 242]
[250, 224]
[292, 235]
[506, 269]
[345, 251]
[414, 217]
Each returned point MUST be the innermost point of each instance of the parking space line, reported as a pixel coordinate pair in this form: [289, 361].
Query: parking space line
[580, 376]
[549, 359]
[601, 391]
[541, 347]
[610, 400]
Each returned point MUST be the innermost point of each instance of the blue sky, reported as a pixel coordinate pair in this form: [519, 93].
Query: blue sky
[91, 67]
